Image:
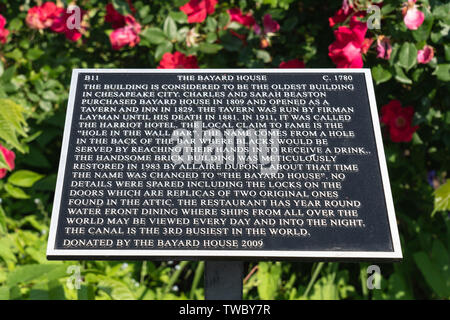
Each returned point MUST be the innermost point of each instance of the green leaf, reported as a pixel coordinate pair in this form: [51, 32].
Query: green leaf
[45, 105]
[290, 23]
[417, 74]
[34, 54]
[179, 3]
[442, 72]
[211, 24]
[86, 292]
[115, 289]
[263, 55]
[211, 37]
[16, 55]
[30, 272]
[11, 123]
[231, 43]
[440, 12]
[407, 56]
[269, 277]
[24, 178]
[400, 76]
[416, 139]
[1, 68]
[442, 198]
[15, 24]
[4, 293]
[121, 6]
[178, 16]
[3, 163]
[15, 192]
[163, 48]
[209, 47]
[224, 18]
[387, 8]
[432, 274]
[170, 28]
[13, 113]
[50, 96]
[234, 25]
[446, 49]
[3, 227]
[154, 35]
[422, 33]
[381, 74]
[6, 252]
[8, 74]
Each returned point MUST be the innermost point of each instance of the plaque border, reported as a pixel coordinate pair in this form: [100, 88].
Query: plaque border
[192, 254]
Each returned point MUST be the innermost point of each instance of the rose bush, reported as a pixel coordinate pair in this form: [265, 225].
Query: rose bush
[407, 50]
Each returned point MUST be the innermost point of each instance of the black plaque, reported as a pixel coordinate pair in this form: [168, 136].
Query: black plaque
[214, 164]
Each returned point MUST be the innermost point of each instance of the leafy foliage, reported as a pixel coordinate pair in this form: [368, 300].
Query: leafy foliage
[35, 71]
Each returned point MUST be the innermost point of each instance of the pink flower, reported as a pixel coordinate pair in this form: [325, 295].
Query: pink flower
[127, 35]
[425, 55]
[365, 45]
[344, 13]
[346, 51]
[412, 17]
[41, 17]
[197, 10]
[270, 25]
[294, 63]
[61, 25]
[3, 32]
[399, 121]
[384, 48]
[244, 19]
[9, 157]
[177, 60]
[114, 17]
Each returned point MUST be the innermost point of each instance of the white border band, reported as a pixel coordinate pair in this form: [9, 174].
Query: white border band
[54, 254]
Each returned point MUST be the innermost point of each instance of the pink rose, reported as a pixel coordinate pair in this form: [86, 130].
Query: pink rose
[270, 25]
[3, 32]
[425, 55]
[346, 51]
[399, 121]
[41, 17]
[412, 17]
[197, 10]
[9, 157]
[365, 45]
[384, 48]
[244, 19]
[60, 25]
[294, 63]
[177, 60]
[114, 17]
[128, 35]
[2, 21]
